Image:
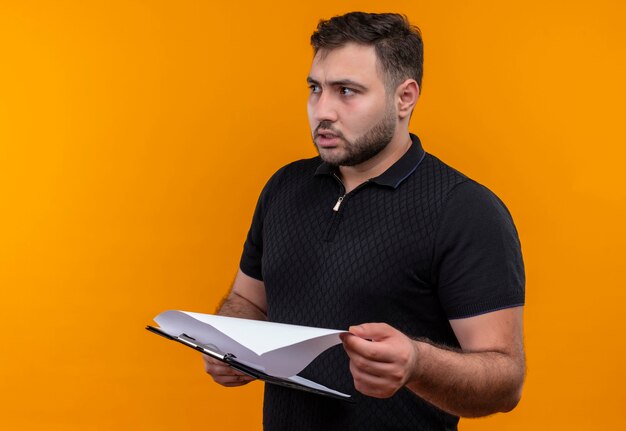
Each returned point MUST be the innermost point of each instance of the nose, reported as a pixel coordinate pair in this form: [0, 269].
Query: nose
[322, 107]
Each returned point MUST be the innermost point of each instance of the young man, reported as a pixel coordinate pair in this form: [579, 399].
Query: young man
[420, 262]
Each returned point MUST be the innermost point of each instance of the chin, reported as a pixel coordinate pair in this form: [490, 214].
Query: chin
[330, 156]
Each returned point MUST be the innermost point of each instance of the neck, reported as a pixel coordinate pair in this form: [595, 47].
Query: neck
[353, 176]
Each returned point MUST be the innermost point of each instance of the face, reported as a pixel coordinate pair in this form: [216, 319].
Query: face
[350, 114]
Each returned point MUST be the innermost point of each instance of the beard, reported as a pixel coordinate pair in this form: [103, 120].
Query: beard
[364, 147]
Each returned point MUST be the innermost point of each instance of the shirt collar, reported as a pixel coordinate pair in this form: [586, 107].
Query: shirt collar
[398, 172]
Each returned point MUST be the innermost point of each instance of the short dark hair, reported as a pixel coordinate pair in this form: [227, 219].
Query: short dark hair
[398, 44]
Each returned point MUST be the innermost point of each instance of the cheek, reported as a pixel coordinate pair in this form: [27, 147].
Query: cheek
[310, 111]
[365, 116]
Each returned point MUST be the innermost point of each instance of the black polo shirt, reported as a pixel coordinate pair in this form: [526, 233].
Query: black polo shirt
[414, 247]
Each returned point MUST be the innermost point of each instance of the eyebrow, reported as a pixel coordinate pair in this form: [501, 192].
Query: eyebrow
[339, 83]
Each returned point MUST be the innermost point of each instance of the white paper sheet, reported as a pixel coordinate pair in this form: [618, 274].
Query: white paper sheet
[277, 349]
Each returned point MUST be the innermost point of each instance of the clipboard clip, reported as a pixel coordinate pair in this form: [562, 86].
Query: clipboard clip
[208, 349]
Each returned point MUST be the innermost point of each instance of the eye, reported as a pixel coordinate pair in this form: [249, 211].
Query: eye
[314, 88]
[345, 91]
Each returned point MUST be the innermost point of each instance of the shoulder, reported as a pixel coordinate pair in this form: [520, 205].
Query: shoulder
[290, 178]
[304, 168]
[436, 178]
[471, 200]
[457, 190]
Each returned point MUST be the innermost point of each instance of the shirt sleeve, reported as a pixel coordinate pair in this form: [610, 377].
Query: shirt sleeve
[477, 262]
[252, 255]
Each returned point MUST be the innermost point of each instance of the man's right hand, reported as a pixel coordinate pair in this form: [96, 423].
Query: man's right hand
[246, 300]
[223, 374]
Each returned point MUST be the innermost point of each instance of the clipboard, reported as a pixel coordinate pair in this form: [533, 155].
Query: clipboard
[295, 382]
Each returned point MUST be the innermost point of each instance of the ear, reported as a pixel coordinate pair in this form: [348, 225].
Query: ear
[407, 95]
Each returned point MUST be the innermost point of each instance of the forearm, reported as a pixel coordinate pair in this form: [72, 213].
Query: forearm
[235, 305]
[247, 300]
[468, 384]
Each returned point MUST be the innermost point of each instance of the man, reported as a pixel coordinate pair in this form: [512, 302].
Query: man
[420, 262]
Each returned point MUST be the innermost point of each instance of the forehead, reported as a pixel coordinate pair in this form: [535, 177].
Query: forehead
[351, 61]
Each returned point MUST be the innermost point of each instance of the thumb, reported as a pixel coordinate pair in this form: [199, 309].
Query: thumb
[372, 331]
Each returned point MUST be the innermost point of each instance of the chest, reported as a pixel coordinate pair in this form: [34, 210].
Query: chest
[370, 256]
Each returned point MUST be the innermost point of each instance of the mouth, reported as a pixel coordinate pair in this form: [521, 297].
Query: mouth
[327, 139]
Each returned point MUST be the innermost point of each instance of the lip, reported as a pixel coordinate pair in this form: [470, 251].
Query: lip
[327, 139]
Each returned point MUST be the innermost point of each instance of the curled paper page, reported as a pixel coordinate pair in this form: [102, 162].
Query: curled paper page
[278, 349]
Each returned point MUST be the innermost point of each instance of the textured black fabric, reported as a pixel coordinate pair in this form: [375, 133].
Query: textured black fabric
[415, 247]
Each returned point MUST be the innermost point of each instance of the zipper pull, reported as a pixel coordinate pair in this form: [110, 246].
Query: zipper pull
[336, 207]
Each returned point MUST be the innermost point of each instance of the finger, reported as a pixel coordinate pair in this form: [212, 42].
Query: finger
[371, 350]
[373, 386]
[213, 366]
[222, 371]
[374, 368]
[219, 368]
[372, 331]
[228, 376]
[209, 360]
[231, 381]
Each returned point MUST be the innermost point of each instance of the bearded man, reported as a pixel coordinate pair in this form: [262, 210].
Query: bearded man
[421, 263]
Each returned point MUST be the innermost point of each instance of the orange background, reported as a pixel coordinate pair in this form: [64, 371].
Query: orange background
[135, 137]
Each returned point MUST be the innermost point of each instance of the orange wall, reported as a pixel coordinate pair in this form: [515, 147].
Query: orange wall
[136, 135]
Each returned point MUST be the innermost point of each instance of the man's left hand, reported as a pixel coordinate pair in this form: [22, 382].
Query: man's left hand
[382, 359]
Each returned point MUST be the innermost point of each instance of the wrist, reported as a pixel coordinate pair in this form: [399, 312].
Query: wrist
[420, 353]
